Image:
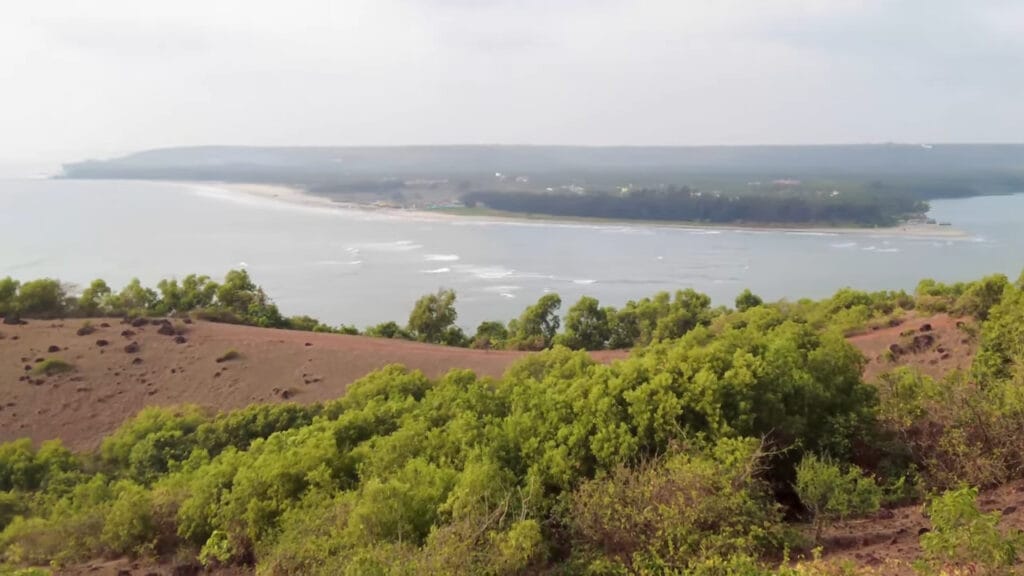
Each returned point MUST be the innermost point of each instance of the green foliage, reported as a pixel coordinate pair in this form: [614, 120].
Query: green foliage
[671, 515]
[43, 298]
[389, 329]
[8, 295]
[747, 300]
[489, 335]
[433, 316]
[964, 537]
[229, 355]
[535, 329]
[95, 299]
[52, 367]
[831, 494]
[586, 326]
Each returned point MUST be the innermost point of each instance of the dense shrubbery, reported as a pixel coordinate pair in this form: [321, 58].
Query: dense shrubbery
[673, 461]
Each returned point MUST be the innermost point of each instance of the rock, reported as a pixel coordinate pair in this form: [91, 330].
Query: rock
[104, 325]
[896, 349]
[132, 348]
[922, 342]
[923, 530]
[187, 320]
[27, 367]
[85, 330]
[945, 356]
[38, 360]
[286, 394]
[12, 319]
[53, 348]
[136, 361]
[179, 339]
[1009, 510]
[101, 343]
[159, 322]
[139, 322]
[127, 333]
[124, 573]
[15, 337]
[309, 343]
[166, 330]
[926, 327]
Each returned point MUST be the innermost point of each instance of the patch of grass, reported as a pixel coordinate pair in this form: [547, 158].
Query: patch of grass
[53, 366]
[231, 354]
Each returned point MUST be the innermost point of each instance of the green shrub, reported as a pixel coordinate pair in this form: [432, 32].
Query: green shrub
[231, 354]
[669, 516]
[831, 494]
[964, 537]
[52, 367]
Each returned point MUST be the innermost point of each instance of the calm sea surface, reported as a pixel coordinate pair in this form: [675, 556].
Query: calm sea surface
[356, 267]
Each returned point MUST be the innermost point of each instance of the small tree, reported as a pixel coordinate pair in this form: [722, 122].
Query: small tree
[586, 325]
[432, 317]
[747, 300]
[831, 494]
[963, 536]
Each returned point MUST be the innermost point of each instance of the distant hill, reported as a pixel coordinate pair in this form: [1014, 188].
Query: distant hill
[436, 160]
[438, 175]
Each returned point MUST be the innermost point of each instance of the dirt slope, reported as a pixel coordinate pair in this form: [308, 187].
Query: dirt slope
[935, 345]
[110, 384]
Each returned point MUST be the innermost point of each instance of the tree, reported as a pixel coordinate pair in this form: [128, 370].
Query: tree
[42, 298]
[747, 300]
[586, 325]
[93, 298]
[240, 295]
[432, 316]
[831, 494]
[8, 294]
[136, 298]
[535, 329]
[489, 335]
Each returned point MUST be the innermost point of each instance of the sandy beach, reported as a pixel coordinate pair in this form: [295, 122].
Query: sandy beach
[300, 197]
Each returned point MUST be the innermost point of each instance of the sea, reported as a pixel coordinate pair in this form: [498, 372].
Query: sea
[356, 266]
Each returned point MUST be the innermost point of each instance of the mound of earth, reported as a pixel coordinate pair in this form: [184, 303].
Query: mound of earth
[116, 370]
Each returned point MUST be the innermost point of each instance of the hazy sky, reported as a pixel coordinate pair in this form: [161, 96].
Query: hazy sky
[105, 77]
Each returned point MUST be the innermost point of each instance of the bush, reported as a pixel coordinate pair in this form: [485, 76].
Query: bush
[964, 537]
[44, 298]
[671, 515]
[52, 367]
[831, 494]
[229, 355]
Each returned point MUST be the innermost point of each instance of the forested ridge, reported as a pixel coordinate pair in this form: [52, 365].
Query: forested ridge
[722, 446]
[685, 204]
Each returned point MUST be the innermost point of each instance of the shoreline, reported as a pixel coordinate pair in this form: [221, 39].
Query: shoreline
[297, 196]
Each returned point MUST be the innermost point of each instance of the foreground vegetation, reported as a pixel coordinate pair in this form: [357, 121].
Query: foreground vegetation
[684, 459]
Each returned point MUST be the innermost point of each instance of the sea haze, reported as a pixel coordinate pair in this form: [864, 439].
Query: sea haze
[361, 267]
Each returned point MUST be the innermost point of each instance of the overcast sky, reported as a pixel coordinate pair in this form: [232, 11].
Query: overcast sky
[103, 77]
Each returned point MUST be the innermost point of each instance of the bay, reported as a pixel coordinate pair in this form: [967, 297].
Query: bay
[361, 267]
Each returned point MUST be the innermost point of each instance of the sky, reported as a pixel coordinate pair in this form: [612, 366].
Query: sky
[106, 77]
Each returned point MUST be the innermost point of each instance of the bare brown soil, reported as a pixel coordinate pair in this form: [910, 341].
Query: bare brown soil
[935, 345]
[890, 540]
[110, 384]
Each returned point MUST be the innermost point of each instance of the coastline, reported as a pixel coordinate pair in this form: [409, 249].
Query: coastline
[298, 196]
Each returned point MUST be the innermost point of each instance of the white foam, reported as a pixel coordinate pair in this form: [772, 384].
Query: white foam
[437, 271]
[584, 281]
[491, 272]
[397, 246]
[441, 257]
[844, 245]
[507, 295]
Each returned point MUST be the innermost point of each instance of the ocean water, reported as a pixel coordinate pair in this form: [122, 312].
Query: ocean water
[358, 267]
